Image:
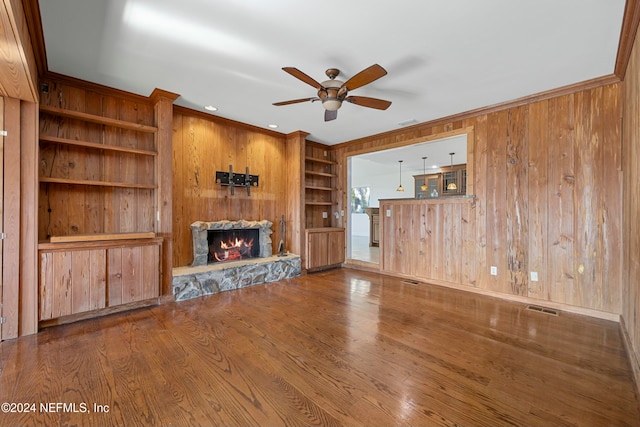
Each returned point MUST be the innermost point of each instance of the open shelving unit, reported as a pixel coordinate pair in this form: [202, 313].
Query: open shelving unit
[324, 240]
[319, 189]
[99, 250]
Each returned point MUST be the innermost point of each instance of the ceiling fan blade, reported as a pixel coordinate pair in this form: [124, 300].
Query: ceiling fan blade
[330, 115]
[365, 101]
[365, 77]
[302, 76]
[295, 101]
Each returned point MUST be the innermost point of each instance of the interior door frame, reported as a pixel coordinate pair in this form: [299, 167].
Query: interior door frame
[468, 131]
[1, 215]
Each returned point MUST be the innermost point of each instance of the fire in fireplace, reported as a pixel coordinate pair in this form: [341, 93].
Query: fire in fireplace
[232, 245]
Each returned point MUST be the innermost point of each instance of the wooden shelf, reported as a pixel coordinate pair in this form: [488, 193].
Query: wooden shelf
[65, 141]
[330, 175]
[319, 188]
[311, 203]
[101, 237]
[96, 183]
[312, 187]
[328, 162]
[98, 119]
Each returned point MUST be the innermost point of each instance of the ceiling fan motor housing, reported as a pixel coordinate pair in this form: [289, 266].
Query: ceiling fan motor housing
[331, 95]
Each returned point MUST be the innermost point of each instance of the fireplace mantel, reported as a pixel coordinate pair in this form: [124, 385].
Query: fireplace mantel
[199, 233]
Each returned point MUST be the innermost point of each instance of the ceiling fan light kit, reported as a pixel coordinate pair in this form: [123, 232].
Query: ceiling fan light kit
[333, 92]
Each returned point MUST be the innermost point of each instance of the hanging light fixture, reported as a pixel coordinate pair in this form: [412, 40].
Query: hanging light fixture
[424, 185]
[400, 187]
[452, 185]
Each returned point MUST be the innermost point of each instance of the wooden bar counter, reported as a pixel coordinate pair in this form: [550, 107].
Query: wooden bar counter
[429, 239]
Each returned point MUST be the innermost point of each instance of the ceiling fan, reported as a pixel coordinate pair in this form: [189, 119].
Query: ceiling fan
[333, 92]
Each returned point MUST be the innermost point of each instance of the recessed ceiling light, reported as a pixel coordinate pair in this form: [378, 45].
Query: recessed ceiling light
[408, 122]
[210, 108]
[273, 126]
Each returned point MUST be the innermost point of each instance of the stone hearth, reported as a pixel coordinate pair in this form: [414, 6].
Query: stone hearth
[202, 278]
[193, 282]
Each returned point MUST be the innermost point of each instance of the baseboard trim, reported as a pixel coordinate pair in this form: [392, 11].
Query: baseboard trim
[632, 357]
[63, 320]
[614, 317]
[362, 265]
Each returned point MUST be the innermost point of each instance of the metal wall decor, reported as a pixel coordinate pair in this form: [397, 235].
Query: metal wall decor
[237, 179]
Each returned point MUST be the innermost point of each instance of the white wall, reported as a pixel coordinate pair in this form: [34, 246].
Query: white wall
[382, 186]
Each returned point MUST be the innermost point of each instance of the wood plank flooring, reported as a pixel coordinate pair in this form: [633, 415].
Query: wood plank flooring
[342, 347]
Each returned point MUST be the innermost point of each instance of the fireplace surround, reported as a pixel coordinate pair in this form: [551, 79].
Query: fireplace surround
[206, 278]
[201, 242]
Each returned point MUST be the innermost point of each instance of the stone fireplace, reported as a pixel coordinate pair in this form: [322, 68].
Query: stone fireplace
[231, 255]
[209, 239]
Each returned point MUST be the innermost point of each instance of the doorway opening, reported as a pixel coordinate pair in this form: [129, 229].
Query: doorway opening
[376, 175]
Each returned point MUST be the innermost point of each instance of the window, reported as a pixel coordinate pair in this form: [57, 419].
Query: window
[360, 199]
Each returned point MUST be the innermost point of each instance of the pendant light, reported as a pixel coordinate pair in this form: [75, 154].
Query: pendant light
[400, 187]
[424, 185]
[452, 185]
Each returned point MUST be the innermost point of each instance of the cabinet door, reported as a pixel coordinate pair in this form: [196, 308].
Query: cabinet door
[134, 274]
[375, 230]
[317, 250]
[431, 185]
[335, 250]
[71, 282]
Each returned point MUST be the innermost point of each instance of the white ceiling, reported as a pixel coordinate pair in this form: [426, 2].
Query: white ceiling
[442, 56]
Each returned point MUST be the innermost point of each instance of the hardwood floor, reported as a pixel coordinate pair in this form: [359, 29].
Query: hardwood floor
[342, 347]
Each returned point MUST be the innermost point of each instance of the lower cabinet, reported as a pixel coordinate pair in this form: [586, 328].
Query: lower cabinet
[374, 226]
[79, 278]
[325, 248]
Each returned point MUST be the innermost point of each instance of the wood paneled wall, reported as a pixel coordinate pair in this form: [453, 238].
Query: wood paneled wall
[429, 239]
[19, 73]
[631, 199]
[203, 145]
[20, 180]
[547, 179]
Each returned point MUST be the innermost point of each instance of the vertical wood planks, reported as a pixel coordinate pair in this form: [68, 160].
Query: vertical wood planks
[71, 282]
[630, 162]
[561, 172]
[587, 201]
[480, 190]
[468, 254]
[517, 206]
[293, 166]
[201, 146]
[612, 201]
[496, 214]
[548, 199]
[538, 197]
[114, 276]
[11, 217]
[429, 239]
[1, 207]
[80, 280]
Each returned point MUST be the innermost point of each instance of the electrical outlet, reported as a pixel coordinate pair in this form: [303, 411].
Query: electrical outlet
[388, 213]
[534, 276]
[325, 215]
[325, 153]
[494, 270]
